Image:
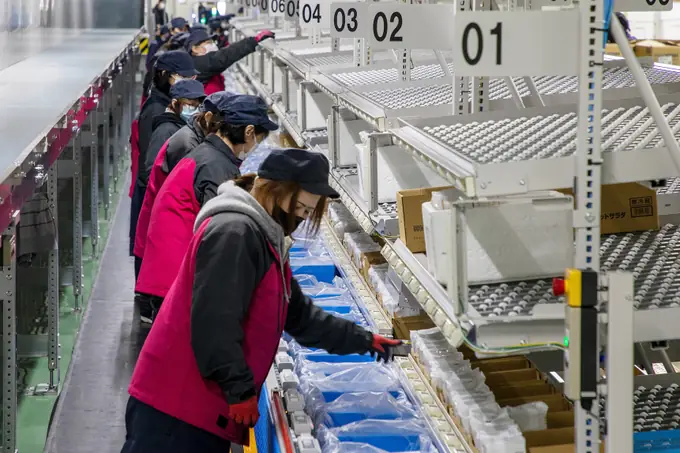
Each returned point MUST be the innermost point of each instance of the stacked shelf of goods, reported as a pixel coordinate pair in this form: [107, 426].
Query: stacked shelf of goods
[352, 402]
[514, 148]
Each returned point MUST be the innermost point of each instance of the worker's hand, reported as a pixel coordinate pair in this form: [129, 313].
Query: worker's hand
[246, 412]
[264, 34]
[382, 347]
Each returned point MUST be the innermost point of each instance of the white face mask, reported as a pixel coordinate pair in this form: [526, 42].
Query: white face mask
[210, 47]
[243, 154]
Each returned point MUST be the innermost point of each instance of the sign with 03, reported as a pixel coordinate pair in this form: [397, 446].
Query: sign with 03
[348, 20]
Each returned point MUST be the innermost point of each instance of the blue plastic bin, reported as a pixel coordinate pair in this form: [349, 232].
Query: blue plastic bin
[323, 268]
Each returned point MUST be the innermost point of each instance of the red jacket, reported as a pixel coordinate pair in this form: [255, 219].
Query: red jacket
[214, 84]
[193, 182]
[217, 332]
[179, 145]
[134, 151]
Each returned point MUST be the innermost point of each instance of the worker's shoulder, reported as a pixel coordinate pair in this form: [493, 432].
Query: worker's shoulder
[234, 226]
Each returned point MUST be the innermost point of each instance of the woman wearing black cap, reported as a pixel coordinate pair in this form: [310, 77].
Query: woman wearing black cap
[169, 68]
[191, 184]
[200, 372]
[211, 61]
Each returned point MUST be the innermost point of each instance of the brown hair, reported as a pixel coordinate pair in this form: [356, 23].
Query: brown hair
[209, 127]
[246, 182]
[268, 192]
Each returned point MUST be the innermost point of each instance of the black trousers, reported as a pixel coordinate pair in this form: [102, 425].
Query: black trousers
[135, 207]
[151, 431]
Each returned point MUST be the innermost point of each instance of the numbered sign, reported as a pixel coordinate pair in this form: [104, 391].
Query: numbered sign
[405, 26]
[292, 9]
[348, 20]
[263, 5]
[277, 8]
[314, 14]
[643, 5]
[531, 43]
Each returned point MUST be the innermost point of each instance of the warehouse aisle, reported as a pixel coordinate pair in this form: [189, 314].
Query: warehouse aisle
[89, 416]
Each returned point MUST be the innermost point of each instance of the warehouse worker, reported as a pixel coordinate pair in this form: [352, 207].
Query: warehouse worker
[206, 121]
[211, 62]
[179, 25]
[191, 184]
[201, 369]
[160, 15]
[168, 69]
[162, 38]
[186, 96]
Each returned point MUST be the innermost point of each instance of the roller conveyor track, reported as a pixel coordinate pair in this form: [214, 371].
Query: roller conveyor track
[550, 136]
[617, 77]
[672, 187]
[348, 178]
[652, 256]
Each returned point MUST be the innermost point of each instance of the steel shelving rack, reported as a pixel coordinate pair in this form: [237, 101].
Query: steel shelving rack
[616, 121]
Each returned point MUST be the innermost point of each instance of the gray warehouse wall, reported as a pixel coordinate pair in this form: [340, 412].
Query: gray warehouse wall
[95, 14]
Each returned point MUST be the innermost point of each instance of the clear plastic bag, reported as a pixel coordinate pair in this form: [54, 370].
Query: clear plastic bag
[255, 158]
[530, 416]
[353, 407]
[391, 435]
[328, 388]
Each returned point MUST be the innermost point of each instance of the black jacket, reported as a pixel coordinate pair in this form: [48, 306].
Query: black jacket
[182, 143]
[231, 262]
[164, 126]
[154, 106]
[160, 16]
[215, 163]
[215, 63]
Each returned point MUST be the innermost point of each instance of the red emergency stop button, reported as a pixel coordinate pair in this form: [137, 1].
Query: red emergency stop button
[558, 286]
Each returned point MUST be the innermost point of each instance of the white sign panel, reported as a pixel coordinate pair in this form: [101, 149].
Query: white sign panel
[540, 4]
[292, 10]
[277, 8]
[406, 26]
[527, 43]
[315, 14]
[643, 5]
[349, 20]
[264, 6]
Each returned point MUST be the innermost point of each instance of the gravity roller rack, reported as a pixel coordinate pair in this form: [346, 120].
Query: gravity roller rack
[418, 388]
[519, 151]
[526, 312]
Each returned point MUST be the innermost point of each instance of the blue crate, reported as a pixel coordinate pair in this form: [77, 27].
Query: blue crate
[390, 443]
[329, 396]
[332, 358]
[657, 441]
[323, 268]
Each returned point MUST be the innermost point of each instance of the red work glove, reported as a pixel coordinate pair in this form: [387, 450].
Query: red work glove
[382, 347]
[264, 34]
[245, 413]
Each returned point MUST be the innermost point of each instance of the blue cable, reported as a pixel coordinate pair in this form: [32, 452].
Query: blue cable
[608, 7]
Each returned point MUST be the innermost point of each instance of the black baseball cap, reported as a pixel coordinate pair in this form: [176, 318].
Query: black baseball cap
[307, 168]
[178, 22]
[165, 30]
[240, 109]
[197, 36]
[187, 89]
[177, 62]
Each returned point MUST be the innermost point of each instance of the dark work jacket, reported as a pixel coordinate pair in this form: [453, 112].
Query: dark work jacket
[216, 336]
[164, 126]
[186, 139]
[215, 63]
[154, 106]
[191, 183]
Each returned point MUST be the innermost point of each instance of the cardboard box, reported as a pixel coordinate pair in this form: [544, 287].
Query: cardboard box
[404, 326]
[368, 259]
[613, 49]
[666, 51]
[410, 210]
[627, 207]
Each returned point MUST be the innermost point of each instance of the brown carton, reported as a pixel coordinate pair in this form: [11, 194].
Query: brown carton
[666, 51]
[368, 259]
[613, 48]
[410, 210]
[627, 207]
[404, 326]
